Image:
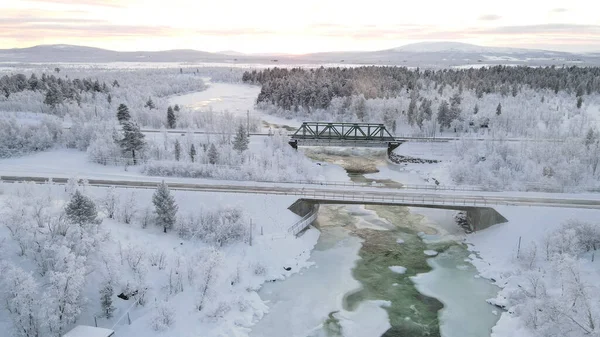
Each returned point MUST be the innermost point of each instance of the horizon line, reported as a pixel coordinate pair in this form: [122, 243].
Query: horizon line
[275, 53]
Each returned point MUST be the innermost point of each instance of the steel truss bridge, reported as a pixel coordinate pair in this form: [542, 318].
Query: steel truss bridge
[343, 134]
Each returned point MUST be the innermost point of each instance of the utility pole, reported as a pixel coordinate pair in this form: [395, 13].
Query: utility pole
[250, 232]
[248, 123]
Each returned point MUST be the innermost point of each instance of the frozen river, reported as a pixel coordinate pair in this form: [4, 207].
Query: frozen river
[236, 98]
[333, 298]
[318, 301]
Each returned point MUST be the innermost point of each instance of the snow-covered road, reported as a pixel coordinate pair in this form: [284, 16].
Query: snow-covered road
[358, 195]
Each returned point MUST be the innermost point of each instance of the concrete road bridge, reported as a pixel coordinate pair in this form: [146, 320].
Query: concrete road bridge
[479, 205]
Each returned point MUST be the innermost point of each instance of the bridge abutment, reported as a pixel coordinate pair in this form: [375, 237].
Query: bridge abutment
[480, 218]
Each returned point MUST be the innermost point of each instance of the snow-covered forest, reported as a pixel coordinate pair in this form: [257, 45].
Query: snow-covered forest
[72, 92]
[558, 108]
[293, 89]
[66, 252]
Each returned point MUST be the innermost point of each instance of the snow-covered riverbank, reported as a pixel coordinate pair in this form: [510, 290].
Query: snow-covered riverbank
[507, 252]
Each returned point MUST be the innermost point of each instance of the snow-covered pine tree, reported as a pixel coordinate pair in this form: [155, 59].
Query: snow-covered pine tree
[499, 109]
[590, 137]
[425, 112]
[149, 104]
[213, 155]
[240, 142]
[177, 150]
[176, 108]
[133, 140]
[54, 96]
[165, 207]
[192, 152]
[106, 294]
[123, 113]
[411, 114]
[455, 108]
[171, 118]
[81, 210]
[444, 114]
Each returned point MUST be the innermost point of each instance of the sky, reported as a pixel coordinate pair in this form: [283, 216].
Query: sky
[297, 27]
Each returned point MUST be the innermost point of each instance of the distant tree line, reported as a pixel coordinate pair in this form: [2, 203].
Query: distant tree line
[56, 89]
[292, 89]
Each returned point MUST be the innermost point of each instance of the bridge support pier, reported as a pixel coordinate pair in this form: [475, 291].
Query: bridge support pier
[392, 146]
[293, 144]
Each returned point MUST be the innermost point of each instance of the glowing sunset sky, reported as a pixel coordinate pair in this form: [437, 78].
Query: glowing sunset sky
[299, 26]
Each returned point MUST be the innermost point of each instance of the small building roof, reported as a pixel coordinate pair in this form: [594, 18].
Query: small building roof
[89, 331]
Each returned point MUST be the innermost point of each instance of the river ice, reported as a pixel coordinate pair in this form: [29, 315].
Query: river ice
[235, 98]
[398, 269]
[299, 305]
[453, 283]
[430, 252]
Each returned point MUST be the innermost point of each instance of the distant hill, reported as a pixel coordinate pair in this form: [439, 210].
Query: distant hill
[443, 54]
[443, 46]
[230, 52]
[70, 53]
[425, 54]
